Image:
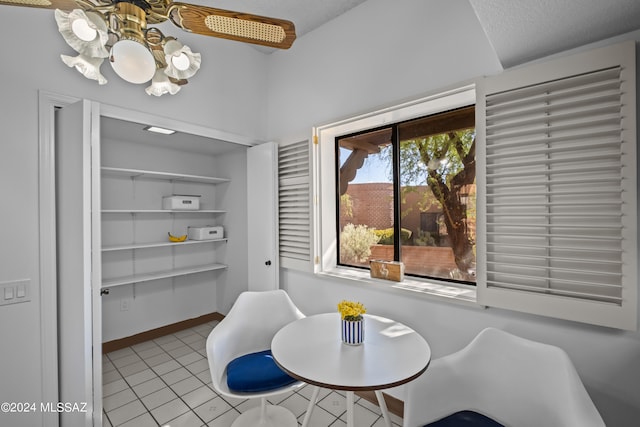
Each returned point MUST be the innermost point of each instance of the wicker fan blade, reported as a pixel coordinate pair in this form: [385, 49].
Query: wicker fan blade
[44, 4]
[238, 26]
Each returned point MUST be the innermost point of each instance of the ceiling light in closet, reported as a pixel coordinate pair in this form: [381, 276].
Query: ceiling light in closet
[157, 129]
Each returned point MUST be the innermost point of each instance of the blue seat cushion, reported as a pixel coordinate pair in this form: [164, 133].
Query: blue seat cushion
[256, 372]
[465, 419]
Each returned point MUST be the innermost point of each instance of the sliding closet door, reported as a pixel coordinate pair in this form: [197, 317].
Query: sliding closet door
[76, 308]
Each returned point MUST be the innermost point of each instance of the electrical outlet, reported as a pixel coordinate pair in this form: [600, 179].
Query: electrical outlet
[124, 305]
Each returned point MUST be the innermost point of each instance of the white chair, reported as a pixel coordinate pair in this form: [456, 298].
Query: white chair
[511, 380]
[248, 328]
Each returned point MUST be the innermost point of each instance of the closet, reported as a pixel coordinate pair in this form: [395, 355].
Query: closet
[149, 281]
[118, 272]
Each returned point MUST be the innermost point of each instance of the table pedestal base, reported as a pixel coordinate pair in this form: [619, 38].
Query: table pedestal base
[267, 416]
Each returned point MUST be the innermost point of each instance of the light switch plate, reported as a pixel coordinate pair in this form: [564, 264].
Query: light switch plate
[15, 291]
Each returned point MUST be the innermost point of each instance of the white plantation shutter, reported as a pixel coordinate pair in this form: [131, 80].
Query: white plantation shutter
[294, 206]
[557, 146]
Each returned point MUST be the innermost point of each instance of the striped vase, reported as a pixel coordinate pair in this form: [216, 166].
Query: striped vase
[353, 331]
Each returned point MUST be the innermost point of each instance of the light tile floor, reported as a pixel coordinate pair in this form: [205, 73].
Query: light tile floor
[166, 382]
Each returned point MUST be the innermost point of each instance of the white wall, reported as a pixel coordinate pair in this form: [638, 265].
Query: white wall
[379, 54]
[228, 94]
[234, 199]
[376, 54]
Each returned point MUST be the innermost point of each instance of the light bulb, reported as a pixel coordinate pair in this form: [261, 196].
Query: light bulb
[181, 62]
[132, 61]
[82, 30]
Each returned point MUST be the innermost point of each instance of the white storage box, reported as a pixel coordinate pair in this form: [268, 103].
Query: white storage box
[205, 233]
[181, 202]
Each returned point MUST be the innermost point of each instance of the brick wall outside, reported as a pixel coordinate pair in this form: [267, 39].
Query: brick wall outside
[371, 205]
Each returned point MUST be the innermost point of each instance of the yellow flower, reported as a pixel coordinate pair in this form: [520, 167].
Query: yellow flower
[350, 310]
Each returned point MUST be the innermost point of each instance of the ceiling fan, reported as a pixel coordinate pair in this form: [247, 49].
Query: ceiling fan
[117, 29]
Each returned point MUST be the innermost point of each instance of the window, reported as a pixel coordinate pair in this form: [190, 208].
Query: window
[406, 192]
[405, 120]
[552, 216]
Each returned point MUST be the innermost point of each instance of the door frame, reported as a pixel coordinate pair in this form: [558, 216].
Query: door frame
[47, 105]
[48, 102]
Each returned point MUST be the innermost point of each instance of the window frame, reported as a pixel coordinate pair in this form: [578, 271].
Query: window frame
[325, 178]
[395, 135]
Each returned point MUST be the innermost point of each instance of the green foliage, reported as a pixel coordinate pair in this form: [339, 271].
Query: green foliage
[356, 242]
[346, 205]
[386, 235]
[441, 154]
[424, 238]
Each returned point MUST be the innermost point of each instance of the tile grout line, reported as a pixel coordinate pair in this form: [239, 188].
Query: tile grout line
[161, 379]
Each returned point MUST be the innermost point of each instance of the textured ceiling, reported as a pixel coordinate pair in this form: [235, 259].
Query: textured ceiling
[522, 30]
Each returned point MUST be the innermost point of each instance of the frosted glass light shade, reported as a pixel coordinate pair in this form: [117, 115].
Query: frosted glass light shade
[182, 63]
[88, 67]
[160, 84]
[85, 32]
[133, 61]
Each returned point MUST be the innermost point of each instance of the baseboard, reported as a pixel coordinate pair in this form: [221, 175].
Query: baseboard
[394, 405]
[114, 345]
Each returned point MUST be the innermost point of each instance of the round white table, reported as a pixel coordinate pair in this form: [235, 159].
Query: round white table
[311, 350]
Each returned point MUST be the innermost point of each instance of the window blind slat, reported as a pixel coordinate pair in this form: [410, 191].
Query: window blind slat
[596, 296]
[557, 182]
[598, 146]
[558, 259]
[599, 158]
[612, 121]
[554, 171]
[553, 204]
[575, 136]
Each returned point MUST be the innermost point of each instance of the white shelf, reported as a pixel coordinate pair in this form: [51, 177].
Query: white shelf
[137, 173]
[158, 245]
[138, 278]
[212, 211]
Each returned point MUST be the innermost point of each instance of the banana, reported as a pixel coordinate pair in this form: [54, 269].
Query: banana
[173, 238]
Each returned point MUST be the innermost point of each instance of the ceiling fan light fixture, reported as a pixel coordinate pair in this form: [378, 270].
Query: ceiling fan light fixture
[160, 85]
[85, 32]
[117, 29]
[132, 61]
[87, 66]
[182, 63]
